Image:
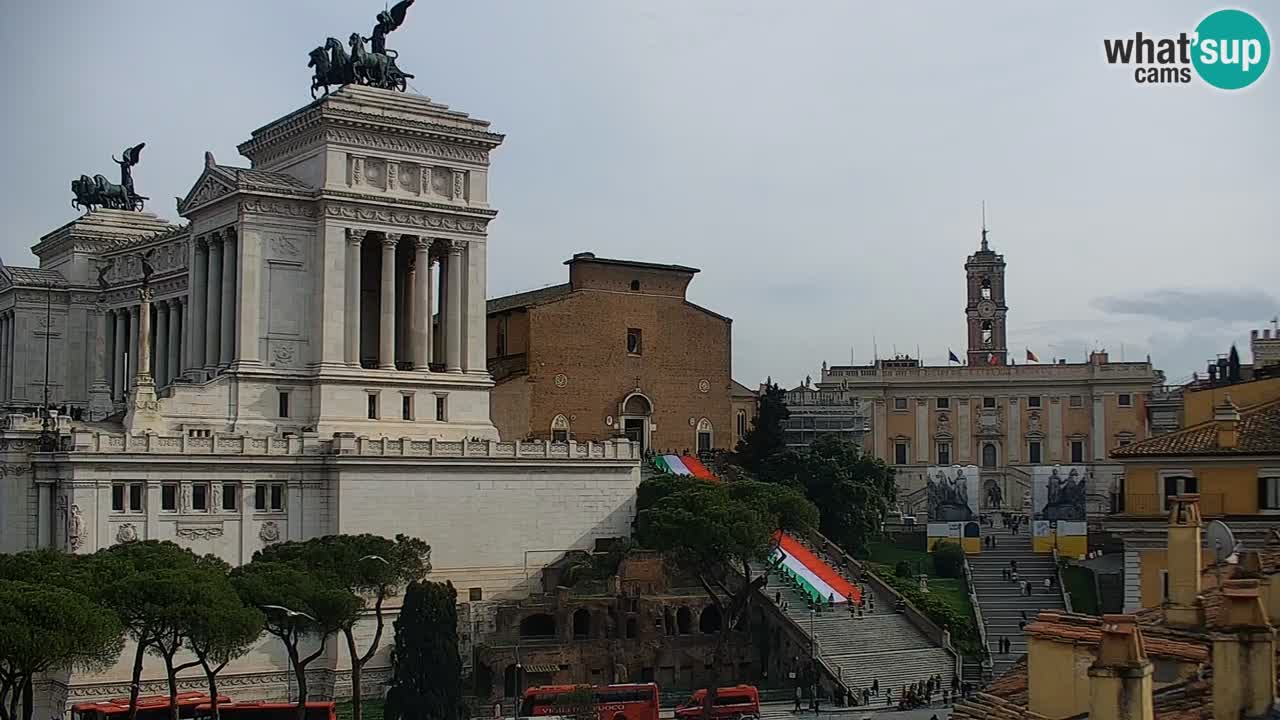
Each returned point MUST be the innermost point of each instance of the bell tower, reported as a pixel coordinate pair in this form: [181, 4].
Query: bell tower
[985, 310]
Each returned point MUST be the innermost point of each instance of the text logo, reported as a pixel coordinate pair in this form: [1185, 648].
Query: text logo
[1229, 50]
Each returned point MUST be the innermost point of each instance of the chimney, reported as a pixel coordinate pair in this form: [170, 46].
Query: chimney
[1227, 418]
[1183, 606]
[1120, 681]
[1244, 655]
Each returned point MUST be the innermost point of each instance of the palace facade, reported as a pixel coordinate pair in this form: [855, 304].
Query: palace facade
[270, 371]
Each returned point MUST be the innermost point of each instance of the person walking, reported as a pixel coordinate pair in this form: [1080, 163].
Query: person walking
[813, 698]
[797, 707]
[875, 686]
[1048, 586]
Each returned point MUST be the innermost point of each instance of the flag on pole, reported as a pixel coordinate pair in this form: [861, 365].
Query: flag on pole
[1031, 357]
[951, 356]
[993, 359]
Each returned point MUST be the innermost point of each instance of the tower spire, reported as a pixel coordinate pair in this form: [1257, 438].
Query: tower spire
[984, 226]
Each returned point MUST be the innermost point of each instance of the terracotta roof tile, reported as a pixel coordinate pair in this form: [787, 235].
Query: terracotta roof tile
[525, 299]
[1259, 434]
[1160, 641]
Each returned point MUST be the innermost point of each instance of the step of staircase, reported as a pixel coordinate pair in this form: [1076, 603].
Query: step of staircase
[1002, 601]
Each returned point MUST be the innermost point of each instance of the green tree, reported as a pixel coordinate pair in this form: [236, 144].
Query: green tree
[296, 603]
[46, 627]
[702, 527]
[765, 438]
[219, 629]
[852, 489]
[426, 669]
[948, 560]
[368, 566]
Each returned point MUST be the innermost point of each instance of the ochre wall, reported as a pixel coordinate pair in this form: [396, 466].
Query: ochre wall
[1225, 487]
[1152, 562]
[1198, 405]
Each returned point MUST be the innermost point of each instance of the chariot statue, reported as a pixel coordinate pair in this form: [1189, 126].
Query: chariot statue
[94, 192]
[375, 66]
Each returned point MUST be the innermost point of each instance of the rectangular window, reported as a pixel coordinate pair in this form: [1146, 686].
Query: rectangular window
[230, 496]
[1124, 400]
[169, 497]
[1077, 401]
[406, 407]
[284, 405]
[277, 497]
[200, 497]
[475, 594]
[442, 409]
[988, 402]
[117, 498]
[1077, 451]
[635, 346]
[1177, 484]
[1033, 452]
[1269, 492]
[136, 491]
[1124, 442]
[944, 403]
[944, 453]
[1033, 401]
[1164, 585]
[260, 498]
[899, 403]
[268, 497]
[900, 453]
[373, 406]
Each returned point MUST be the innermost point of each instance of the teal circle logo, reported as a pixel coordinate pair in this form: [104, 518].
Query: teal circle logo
[1231, 49]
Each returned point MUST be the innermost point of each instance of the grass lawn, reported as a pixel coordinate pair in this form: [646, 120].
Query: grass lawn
[370, 709]
[1084, 595]
[951, 590]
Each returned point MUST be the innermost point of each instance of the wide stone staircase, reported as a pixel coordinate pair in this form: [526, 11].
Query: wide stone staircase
[1002, 603]
[880, 645]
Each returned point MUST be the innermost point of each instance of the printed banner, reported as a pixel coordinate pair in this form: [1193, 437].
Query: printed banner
[1058, 493]
[953, 493]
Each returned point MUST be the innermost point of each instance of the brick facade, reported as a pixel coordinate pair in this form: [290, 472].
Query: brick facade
[563, 351]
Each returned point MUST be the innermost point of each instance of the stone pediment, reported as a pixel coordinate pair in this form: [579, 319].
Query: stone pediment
[213, 184]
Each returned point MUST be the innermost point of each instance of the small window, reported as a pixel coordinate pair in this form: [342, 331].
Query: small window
[1164, 585]
[1077, 401]
[988, 402]
[442, 408]
[634, 344]
[986, 288]
[284, 405]
[635, 284]
[988, 333]
[1033, 452]
[260, 498]
[560, 429]
[277, 497]
[944, 453]
[136, 491]
[899, 403]
[1269, 493]
[1124, 400]
[742, 423]
[475, 594]
[169, 497]
[900, 453]
[373, 406]
[1123, 442]
[117, 497]
[1033, 401]
[230, 496]
[943, 403]
[200, 497]
[1077, 451]
[268, 497]
[406, 407]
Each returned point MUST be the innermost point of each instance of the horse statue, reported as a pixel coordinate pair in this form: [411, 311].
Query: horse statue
[369, 68]
[99, 192]
[376, 68]
[86, 194]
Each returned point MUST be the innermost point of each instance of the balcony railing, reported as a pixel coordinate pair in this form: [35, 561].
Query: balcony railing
[1157, 505]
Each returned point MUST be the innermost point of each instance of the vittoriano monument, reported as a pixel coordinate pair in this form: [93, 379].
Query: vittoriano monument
[375, 67]
[94, 192]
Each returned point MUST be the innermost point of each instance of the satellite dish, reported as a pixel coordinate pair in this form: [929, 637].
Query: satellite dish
[1222, 542]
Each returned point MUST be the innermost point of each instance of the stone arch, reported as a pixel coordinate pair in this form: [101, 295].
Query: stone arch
[510, 681]
[684, 621]
[988, 332]
[706, 435]
[710, 621]
[637, 403]
[560, 429]
[990, 455]
[538, 625]
[581, 624]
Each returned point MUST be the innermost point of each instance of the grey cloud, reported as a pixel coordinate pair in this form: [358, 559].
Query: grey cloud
[1177, 305]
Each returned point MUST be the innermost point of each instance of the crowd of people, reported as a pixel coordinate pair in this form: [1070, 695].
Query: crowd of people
[920, 694]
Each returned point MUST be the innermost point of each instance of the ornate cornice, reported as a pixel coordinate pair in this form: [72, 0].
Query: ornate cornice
[270, 206]
[406, 218]
[411, 145]
[475, 212]
[374, 121]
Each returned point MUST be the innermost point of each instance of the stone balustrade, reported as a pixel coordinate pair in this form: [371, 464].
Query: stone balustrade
[345, 444]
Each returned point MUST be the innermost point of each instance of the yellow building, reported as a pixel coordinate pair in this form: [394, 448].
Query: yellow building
[1230, 457]
[1006, 418]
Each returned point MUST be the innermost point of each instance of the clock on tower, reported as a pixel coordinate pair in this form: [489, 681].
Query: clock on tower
[985, 311]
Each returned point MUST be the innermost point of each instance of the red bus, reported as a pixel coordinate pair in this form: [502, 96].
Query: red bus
[612, 702]
[739, 702]
[258, 710]
[150, 707]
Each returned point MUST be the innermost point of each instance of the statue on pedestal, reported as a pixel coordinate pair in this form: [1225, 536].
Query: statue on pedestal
[93, 193]
[375, 67]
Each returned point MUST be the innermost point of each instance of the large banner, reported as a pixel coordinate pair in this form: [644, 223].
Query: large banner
[1058, 493]
[953, 493]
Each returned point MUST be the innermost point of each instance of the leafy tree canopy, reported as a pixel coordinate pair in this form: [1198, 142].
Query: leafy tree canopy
[45, 627]
[353, 560]
[765, 438]
[321, 603]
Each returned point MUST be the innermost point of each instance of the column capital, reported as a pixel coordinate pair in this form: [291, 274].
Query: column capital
[355, 237]
[452, 247]
[146, 294]
[422, 242]
[201, 243]
[390, 239]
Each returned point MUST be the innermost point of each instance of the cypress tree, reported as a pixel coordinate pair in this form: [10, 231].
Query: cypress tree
[426, 669]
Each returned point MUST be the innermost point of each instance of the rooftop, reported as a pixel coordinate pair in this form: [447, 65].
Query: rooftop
[36, 276]
[526, 298]
[1258, 434]
[591, 257]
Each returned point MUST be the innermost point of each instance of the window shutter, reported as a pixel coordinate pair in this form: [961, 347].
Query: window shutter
[1262, 493]
[1170, 486]
[1191, 486]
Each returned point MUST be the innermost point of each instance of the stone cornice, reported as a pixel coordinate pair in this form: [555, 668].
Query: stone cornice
[266, 204]
[407, 202]
[404, 219]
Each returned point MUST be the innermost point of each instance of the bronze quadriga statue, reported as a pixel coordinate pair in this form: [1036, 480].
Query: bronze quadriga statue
[96, 192]
[375, 67]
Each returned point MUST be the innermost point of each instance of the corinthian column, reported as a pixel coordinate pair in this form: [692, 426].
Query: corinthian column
[144, 337]
[174, 348]
[213, 306]
[355, 240]
[198, 304]
[118, 353]
[387, 327]
[422, 303]
[227, 343]
[453, 308]
[162, 344]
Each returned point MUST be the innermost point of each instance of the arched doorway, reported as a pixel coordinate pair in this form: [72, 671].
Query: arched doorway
[511, 681]
[684, 621]
[581, 624]
[709, 623]
[705, 436]
[636, 411]
[560, 429]
[990, 456]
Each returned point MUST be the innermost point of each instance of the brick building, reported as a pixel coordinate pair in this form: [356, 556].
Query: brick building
[616, 351]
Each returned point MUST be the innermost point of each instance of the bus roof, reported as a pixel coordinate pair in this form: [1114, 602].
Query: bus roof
[121, 704]
[263, 705]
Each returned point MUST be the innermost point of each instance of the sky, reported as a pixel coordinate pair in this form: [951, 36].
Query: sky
[822, 162]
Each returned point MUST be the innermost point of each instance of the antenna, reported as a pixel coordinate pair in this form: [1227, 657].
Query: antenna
[984, 224]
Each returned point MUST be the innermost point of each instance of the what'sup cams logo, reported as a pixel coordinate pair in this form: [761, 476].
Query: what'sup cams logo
[1228, 50]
